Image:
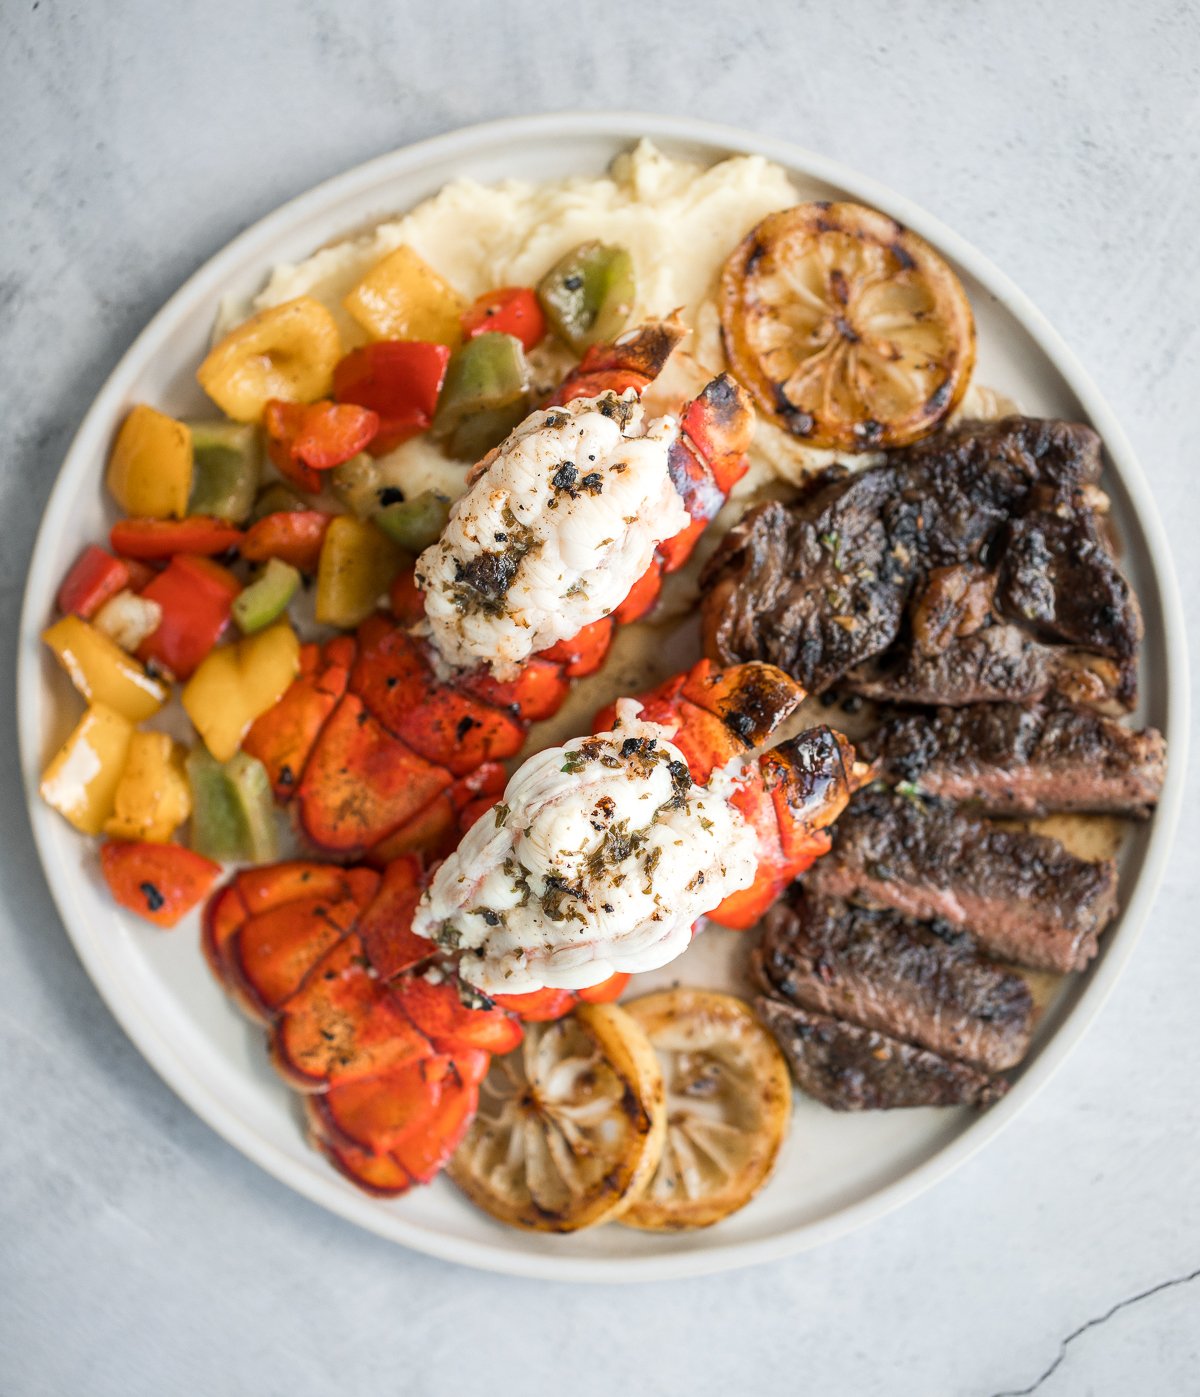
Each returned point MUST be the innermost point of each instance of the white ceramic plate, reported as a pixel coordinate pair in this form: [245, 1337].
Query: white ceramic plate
[837, 1172]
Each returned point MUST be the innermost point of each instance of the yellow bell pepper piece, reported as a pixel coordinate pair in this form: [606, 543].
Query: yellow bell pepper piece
[357, 565]
[150, 469]
[103, 672]
[153, 797]
[236, 683]
[81, 782]
[287, 351]
[403, 298]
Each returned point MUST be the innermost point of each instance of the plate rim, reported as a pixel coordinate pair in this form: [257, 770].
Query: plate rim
[619, 125]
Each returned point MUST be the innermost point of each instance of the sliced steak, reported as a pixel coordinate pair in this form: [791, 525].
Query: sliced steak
[928, 985]
[1025, 898]
[998, 662]
[823, 585]
[1058, 576]
[1014, 759]
[857, 1069]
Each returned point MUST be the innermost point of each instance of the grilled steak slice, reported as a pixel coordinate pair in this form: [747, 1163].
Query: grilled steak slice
[1013, 759]
[857, 1069]
[1024, 897]
[1058, 576]
[821, 586]
[928, 985]
[998, 662]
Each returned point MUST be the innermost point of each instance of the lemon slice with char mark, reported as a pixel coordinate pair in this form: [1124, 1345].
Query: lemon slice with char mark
[570, 1125]
[728, 1101]
[851, 331]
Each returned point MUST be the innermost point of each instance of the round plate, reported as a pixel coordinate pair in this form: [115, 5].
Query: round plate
[837, 1172]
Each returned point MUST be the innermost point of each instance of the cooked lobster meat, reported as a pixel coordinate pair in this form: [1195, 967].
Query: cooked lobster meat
[851, 1068]
[947, 537]
[603, 854]
[381, 742]
[1023, 896]
[928, 985]
[1016, 759]
[382, 1028]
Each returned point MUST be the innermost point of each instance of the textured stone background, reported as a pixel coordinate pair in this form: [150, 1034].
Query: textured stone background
[141, 1255]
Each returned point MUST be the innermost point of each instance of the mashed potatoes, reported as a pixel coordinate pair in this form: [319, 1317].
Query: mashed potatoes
[679, 221]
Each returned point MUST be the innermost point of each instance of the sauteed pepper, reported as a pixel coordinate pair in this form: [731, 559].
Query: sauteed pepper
[233, 813]
[150, 469]
[415, 524]
[81, 782]
[195, 595]
[511, 310]
[227, 462]
[152, 798]
[236, 683]
[486, 394]
[588, 296]
[160, 882]
[267, 597]
[102, 671]
[398, 379]
[95, 578]
[357, 566]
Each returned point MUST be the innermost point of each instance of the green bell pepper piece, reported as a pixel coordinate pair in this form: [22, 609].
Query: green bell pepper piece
[226, 464]
[415, 524]
[278, 499]
[487, 378]
[233, 812]
[267, 597]
[588, 295]
[357, 483]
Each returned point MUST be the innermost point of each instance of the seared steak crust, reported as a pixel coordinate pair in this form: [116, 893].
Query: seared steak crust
[998, 662]
[821, 586]
[857, 1069]
[1022, 895]
[928, 985]
[1012, 759]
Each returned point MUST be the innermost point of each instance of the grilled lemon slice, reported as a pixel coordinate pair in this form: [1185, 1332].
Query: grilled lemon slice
[570, 1125]
[729, 1100]
[850, 331]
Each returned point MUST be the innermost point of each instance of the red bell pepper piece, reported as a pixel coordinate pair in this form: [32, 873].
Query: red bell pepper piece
[294, 537]
[163, 538]
[511, 310]
[160, 882]
[196, 596]
[140, 574]
[398, 379]
[95, 577]
[304, 439]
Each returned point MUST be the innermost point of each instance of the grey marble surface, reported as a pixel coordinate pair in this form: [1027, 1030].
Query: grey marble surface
[139, 1254]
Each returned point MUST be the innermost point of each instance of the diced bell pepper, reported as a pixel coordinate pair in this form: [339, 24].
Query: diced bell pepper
[415, 524]
[154, 539]
[160, 882]
[237, 682]
[511, 310]
[294, 537]
[102, 672]
[357, 566]
[403, 298]
[267, 597]
[94, 577]
[357, 483]
[305, 439]
[152, 798]
[287, 351]
[233, 812]
[398, 379]
[150, 469]
[277, 498]
[227, 463]
[81, 781]
[485, 395]
[588, 295]
[195, 595]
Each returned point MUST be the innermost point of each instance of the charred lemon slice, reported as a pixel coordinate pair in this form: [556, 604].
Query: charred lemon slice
[729, 1100]
[570, 1125]
[850, 331]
